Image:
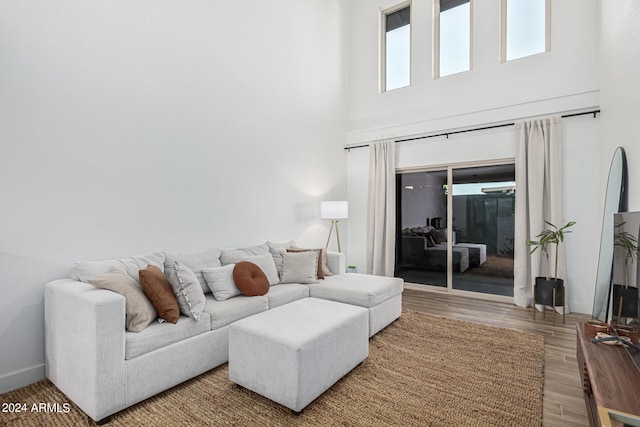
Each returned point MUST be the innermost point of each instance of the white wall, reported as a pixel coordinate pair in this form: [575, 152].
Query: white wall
[564, 79]
[129, 126]
[620, 99]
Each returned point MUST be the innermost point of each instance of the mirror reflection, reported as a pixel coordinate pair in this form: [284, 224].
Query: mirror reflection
[625, 268]
[615, 201]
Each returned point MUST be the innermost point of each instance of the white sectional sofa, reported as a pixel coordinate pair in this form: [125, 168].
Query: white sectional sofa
[103, 368]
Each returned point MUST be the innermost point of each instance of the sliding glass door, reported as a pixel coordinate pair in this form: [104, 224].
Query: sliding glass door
[455, 228]
[421, 227]
[483, 209]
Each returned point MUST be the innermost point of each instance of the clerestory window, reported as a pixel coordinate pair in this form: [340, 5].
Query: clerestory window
[396, 47]
[525, 28]
[452, 37]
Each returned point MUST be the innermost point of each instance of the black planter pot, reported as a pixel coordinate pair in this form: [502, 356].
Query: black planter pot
[543, 291]
[629, 301]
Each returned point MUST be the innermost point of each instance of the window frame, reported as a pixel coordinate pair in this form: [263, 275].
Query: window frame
[503, 32]
[383, 43]
[436, 40]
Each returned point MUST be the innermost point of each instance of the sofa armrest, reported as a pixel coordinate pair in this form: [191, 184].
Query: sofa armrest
[337, 262]
[85, 345]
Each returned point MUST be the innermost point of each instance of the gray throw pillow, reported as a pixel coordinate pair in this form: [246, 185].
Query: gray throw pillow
[276, 249]
[300, 267]
[187, 288]
[194, 261]
[139, 310]
[220, 281]
[266, 264]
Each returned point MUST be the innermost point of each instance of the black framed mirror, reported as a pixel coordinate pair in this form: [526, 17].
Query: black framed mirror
[616, 200]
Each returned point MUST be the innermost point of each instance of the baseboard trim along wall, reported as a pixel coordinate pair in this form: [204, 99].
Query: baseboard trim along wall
[22, 378]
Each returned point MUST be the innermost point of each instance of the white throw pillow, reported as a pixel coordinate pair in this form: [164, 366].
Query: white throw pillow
[187, 288]
[220, 281]
[300, 267]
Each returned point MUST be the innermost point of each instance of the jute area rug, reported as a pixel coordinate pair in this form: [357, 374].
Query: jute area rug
[421, 371]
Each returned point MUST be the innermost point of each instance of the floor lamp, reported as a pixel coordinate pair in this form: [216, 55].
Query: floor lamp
[334, 211]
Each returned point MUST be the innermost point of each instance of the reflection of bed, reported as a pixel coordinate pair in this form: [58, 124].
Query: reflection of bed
[417, 253]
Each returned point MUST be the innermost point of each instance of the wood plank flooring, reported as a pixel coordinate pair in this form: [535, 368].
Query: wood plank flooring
[563, 402]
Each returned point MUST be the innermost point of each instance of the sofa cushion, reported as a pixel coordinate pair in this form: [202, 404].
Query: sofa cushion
[187, 290]
[85, 270]
[228, 311]
[285, 293]
[159, 335]
[220, 281]
[195, 261]
[139, 310]
[157, 288]
[357, 289]
[300, 267]
[232, 256]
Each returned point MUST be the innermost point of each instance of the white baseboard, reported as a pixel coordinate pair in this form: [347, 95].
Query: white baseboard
[22, 378]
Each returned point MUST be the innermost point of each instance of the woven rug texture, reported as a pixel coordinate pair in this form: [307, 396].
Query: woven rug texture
[421, 371]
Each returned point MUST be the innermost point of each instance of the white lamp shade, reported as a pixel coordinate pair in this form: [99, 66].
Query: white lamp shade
[334, 210]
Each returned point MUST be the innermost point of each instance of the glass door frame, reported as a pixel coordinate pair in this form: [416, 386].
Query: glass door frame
[450, 167]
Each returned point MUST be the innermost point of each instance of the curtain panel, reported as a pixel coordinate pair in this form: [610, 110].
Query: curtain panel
[381, 209]
[539, 169]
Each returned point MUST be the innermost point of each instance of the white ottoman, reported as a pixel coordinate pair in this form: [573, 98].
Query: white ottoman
[293, 353]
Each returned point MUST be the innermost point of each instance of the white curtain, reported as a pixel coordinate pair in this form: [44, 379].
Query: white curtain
[381, 212]
[538, 198]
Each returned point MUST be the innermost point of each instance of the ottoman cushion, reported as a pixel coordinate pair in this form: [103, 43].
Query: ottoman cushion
[293, 353]
[357, 289]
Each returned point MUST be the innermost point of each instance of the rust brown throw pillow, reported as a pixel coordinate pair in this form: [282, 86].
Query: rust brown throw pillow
[157, 288]
[250, 279]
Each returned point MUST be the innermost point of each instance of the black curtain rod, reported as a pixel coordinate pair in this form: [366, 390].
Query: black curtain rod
[594, 112]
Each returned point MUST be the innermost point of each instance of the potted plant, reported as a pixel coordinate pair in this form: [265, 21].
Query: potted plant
[625, 298]
[545, 286]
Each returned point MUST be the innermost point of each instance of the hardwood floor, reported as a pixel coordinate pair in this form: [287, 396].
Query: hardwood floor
[563, 402]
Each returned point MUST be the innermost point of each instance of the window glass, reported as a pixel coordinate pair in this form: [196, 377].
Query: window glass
[455, 37]
[526, 22]
[397, 53]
